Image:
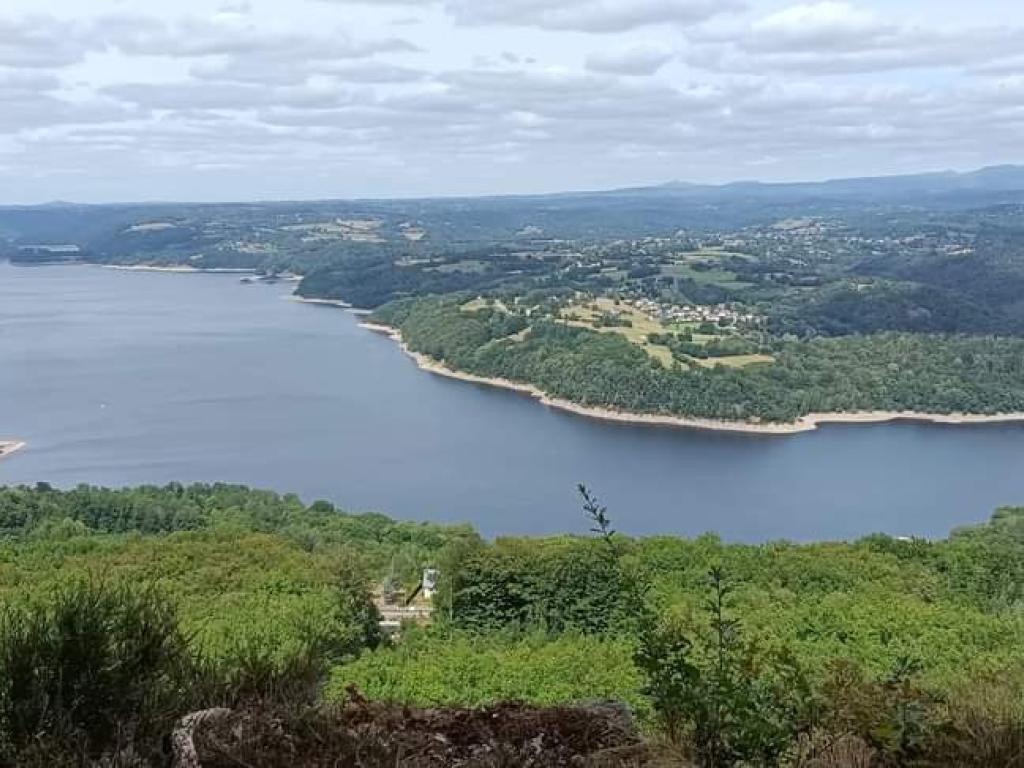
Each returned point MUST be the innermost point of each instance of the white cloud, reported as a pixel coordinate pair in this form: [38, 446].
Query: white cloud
[41, 41]
[586, 15]
[602, 16]
[645, 59]
[817, 26]
[493, 96]
[833, 37]
[235, 36]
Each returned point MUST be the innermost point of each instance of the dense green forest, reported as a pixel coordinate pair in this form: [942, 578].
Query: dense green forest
[811, 262]
[878, 299]
[122, 611]
[887, 371]
[126, 609]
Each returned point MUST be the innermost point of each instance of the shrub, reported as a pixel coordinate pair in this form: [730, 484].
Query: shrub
[90, 669]
[731, 703]
[983, 726]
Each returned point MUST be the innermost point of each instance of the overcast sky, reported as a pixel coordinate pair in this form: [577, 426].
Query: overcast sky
[260, 99]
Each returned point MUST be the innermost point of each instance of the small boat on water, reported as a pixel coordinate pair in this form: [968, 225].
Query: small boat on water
[266, 279]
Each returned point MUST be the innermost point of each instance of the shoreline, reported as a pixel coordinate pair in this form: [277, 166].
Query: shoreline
[337, 303]
[10, 447]
[178, 269]
[321, 302]
[808, 423]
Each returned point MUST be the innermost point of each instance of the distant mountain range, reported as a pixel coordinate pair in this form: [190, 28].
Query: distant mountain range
[625, 212]
[995, 178]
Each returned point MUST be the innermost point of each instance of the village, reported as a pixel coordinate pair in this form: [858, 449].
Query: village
[720, 314]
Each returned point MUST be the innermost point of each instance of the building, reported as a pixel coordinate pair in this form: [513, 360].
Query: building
[430, 576]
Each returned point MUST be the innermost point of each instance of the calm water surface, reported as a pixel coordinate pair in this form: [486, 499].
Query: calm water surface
[121, 378]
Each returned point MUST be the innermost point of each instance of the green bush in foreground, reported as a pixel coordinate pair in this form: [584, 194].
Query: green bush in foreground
[96, 669]
[442, 667]
[89, 670]
[908, 652]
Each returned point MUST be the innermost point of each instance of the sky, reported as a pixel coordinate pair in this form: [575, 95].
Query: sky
[136, 100]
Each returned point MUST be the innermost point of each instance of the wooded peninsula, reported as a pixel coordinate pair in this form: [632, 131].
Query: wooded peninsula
[782, 306]
[948, 378]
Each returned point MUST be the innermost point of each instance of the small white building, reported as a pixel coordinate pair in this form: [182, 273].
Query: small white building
[430, 576]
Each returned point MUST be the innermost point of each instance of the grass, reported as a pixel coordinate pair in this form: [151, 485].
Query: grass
[710, 254]
[475, 305]
[724, 278]
[736, 361]
[643, 325]
[660, 353]
[354, 230]
[720, 277]
[469, 266]
[586, 314]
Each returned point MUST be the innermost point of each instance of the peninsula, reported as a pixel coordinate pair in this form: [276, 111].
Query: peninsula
[805, 423]
[782, 311]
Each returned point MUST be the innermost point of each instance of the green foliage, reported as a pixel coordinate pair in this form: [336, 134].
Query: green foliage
[441, 666]
[88, 663]
[664, 656]
[356, 612]
[90, 671]
[886, 371]
[891, 645]
[178, 508]
[733, 704]
[246, 569]
[597, 514]
[892, 713]
[560, 584]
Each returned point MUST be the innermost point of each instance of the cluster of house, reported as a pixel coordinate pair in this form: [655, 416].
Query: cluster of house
[694, 313]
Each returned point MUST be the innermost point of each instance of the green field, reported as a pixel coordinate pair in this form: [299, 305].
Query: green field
[720, 277]
[642, 325]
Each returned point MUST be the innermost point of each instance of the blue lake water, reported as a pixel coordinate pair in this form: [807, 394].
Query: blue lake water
[123, 378]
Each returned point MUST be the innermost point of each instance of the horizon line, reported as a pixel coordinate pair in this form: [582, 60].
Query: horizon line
[947, 172]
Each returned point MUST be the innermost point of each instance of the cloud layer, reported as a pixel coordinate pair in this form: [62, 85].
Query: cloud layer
[415, 97]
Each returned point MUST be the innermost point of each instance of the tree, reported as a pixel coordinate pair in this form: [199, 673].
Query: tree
[597, 514]
[733, 705]
[664, 656]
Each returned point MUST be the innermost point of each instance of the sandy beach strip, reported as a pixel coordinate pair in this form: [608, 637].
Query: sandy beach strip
[323, 302]
[9, 447]
[807, 423]
[333, 303]
[178, 269]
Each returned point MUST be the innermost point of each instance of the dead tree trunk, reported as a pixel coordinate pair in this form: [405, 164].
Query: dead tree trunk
[183, 748]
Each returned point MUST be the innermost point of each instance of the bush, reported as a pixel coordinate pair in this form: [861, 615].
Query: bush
[250, 671]
[891, 715]
[729, 703]
[90, 669]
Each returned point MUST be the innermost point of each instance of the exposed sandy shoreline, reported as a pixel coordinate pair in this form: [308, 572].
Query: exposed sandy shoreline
[9, 447]
[181, 268]
[326, 302]
[806, 423]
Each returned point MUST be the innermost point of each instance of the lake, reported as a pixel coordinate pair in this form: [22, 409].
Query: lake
[123, 378]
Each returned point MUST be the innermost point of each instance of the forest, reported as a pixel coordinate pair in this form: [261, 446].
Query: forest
[246, 625]
[929, 373]
[124, 610]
